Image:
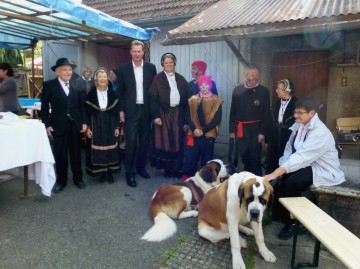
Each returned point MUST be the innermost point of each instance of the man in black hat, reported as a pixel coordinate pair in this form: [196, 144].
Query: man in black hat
[64, 123]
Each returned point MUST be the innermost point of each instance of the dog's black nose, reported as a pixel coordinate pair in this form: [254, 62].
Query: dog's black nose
[254, 214]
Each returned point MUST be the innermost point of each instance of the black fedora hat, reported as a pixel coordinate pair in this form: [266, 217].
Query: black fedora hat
[63, 61]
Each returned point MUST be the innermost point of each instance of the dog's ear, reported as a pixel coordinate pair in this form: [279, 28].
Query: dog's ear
[270, 189]
[206, 173]
[215, 170]
[241, 193]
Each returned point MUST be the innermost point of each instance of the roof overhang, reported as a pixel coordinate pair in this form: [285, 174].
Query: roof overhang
[24, 22]
[324, 24]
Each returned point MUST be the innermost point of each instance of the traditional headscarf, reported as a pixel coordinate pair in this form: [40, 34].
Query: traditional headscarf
[207, 80]
[286, 85]
[201, 65]
[99, 70]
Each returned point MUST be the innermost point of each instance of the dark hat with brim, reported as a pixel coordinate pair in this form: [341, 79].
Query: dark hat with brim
[63, 61]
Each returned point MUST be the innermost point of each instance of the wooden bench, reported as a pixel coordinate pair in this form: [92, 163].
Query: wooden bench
[347, 126]
[335, 237]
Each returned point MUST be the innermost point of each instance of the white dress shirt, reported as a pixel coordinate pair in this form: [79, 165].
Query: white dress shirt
[103, 98]
[138, 72]
[65, 86]
[174, 92]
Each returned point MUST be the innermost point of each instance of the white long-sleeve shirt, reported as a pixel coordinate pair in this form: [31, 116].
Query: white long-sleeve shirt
[318, 151]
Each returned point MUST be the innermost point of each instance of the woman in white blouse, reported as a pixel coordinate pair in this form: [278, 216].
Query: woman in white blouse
[310, 157]
[168, 102]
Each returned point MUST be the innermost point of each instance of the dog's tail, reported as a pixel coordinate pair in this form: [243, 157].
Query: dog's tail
[163, 228]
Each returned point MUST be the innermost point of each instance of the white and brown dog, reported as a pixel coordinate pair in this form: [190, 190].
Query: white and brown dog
[181, 200]
[225, 209]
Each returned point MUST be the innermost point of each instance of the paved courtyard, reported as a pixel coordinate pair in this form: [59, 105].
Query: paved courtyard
[100, 227]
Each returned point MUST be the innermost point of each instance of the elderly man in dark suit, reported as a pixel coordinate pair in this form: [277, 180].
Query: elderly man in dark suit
[134, 79]
[65, 123]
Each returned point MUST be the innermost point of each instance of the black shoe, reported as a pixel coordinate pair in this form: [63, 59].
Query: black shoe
[59, 188]
[110, 179]
[80, 184]
[176, 174]
[287, 232]
[144, 174]
[102, 178]
[167, 174]
[130, 180]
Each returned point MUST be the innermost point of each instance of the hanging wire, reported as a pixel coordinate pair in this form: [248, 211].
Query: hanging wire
[232, 84]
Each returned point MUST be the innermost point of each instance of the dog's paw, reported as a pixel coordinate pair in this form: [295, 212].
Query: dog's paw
[188, 214]
[268, 256]
[245, 230]
[239, 266]
[194, 213]
[243, 243]
[237, 260]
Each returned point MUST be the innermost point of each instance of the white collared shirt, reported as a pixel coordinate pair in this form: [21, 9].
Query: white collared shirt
[65, 87]
[138, 72]
[103, 98]
[283, 106]
[174, 91]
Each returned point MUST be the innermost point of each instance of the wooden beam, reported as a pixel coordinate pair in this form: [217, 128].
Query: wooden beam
[236, 52]
[51, 23]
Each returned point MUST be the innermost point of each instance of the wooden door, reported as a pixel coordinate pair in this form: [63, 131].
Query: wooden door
[309, 71]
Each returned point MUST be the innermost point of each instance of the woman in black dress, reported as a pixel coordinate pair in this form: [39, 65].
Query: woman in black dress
[102, 105]
[283, 119]
[168, 100]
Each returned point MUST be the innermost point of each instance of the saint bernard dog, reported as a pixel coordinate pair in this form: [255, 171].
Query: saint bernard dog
[181, 200]
[226, 208]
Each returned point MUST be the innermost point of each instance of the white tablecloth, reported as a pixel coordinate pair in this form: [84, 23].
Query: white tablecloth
[25, 142]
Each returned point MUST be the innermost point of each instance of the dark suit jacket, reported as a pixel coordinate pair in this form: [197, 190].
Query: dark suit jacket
[53, 95]
[127, 87]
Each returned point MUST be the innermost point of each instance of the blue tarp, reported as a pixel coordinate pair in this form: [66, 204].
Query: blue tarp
[64, 18]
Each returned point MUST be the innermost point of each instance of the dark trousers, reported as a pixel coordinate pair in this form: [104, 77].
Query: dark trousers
[66, 145]
[202, 149]
[292, 185]
[249, 150]
[137, 141]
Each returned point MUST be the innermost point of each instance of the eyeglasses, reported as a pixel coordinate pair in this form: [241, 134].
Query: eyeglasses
[300, 112]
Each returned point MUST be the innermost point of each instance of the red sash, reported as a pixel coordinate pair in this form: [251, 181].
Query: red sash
[240, 132]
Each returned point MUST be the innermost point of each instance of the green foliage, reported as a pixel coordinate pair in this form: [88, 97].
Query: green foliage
[11, 56]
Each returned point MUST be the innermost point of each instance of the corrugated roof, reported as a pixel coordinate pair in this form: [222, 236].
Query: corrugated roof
[135, 10]
[237, 13]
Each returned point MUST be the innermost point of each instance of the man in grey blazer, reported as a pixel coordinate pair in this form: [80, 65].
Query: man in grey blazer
[64, 123]
[135, 78]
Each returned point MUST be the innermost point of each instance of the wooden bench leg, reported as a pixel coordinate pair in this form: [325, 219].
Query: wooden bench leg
[293, 255]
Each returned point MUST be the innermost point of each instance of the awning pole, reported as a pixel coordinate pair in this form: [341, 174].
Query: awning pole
[32, 93]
